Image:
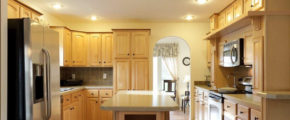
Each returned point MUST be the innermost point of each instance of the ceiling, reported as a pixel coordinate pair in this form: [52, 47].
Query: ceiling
[132, 10]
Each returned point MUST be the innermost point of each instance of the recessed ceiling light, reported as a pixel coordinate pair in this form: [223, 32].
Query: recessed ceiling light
[94, 18]
[201, 1]
[57, 6]
[189, 17]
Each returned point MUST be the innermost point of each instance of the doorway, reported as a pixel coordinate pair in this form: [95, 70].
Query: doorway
[171, 73]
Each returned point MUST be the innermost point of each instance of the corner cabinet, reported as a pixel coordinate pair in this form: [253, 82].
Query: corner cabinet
[16, 9]
[79, 48]
[13, 9]
[131, 59]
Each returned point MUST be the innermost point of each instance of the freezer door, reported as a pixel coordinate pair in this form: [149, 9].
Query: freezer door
[51, 45]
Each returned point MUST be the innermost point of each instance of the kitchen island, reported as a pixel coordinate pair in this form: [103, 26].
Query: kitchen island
[141, 105]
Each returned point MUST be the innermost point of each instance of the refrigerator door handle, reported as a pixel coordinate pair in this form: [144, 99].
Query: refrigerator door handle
[47, 91]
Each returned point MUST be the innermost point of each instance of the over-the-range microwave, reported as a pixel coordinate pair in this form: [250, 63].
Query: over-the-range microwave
[234, 53]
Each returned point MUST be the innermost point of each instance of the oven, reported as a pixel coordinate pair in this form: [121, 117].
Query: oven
[215, 107]
[234, 53]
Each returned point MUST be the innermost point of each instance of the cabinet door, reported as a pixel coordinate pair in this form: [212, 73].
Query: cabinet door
[222, 19]
[221, 53]
[238, 9]
[229, 15]
[66, 113]
[75, 112]
[122, 44]
[209, 55]
[258, 64]
[13, 9]
[247, 6]
[248, 49]
[25, 13]
[139, 44]
[107, 50]
[95, 50]
[257, 4]
[122, 74]
[214, 22]
[67, 47]
[140, 74]
[105, 114]
[256, 115]
[79, 49]
[92, 109]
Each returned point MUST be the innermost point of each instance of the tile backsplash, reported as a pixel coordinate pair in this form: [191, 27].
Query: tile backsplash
[90, 76]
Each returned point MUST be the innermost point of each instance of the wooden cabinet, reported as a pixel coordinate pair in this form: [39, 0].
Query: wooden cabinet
[243, 112]
[95, 50]
[106, 115]
[13, 9]
[256, 115]
[131, 43]
[209, 53]
[66, 113]
[238, 9]
[213, 22]
[122, 74]
[230, 107]
[221, 52]
[222, 19]
[79, 49]
[247, 6]
[72, 106]
[65, 45]
[139, 74]
[258, 67]
[229, 15]
[257, 4]
[122, 47]
[248, 49]
[93, 109]
[107, 50]
[140, 43]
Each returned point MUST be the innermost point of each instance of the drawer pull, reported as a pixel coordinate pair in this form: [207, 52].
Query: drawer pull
[92, 93]
[67, 99]
[228, 106]
[76, 96]
[96, 101]
[256, 118]
[241, 112]
[107, 94]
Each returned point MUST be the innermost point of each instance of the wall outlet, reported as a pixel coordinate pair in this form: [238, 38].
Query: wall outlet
[104, 75]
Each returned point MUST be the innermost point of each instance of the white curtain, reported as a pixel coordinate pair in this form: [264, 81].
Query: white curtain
[169, 53]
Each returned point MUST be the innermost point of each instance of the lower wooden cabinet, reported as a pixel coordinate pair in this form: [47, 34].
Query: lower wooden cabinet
[92, 109]
[106, 115]
[72, 112]
[256, 115]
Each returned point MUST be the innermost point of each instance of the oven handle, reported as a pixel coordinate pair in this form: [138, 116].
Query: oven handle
[215, 99]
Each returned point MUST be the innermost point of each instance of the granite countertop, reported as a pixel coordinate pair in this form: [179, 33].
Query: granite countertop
[140, 101]
[77, 88]
[275, 94]
[249, 100]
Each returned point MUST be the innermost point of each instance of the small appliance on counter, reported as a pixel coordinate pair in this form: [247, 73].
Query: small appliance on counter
[247, 83]
[71, 82]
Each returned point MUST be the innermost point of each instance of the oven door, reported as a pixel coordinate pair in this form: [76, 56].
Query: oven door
[215, 109]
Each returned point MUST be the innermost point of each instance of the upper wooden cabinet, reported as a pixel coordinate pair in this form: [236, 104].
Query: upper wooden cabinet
[131, 43]
[95, 50]
[13, 9]
[79, 48]
[100, 49]
[140, 80]
[238, 9]
[222, 19]
[257, 4]
[213, 22]
[229, 14]
[107, 50]
[248, 49]
[258, 67]
[17, 9]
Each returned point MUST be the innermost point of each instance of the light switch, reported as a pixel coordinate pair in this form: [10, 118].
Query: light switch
[105, 76]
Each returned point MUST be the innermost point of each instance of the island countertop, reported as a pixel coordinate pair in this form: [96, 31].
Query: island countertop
[140, 101]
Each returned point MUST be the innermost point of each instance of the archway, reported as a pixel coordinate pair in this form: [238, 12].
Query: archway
[171, 71]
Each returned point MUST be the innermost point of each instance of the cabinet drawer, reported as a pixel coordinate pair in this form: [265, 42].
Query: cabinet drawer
[106, 93]
[230, 107]
[256, 115]
[76, 96]
[92, 93]
[66, 99]
[243, 112]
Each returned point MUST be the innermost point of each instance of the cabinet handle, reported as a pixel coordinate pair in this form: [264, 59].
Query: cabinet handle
[74, 61]
[256, 118]
[102, 101]
[96, 101]
[228, 106]
[241, 112]
[100, 62]
[128, 54]
[133, 54]
[67, 99]
[92, 93]
[107, 94]
[104, 61]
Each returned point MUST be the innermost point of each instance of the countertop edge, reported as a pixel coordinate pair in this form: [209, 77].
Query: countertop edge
[243, 102]
[140, 109]
[78, 88]
[275, 94]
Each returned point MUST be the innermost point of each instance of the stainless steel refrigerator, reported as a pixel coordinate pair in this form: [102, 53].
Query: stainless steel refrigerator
[33, 71]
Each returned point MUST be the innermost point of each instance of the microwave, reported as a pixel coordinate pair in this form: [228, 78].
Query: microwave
[233, 53]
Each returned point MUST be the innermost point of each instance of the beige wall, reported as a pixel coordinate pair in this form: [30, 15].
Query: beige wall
[191, 32]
